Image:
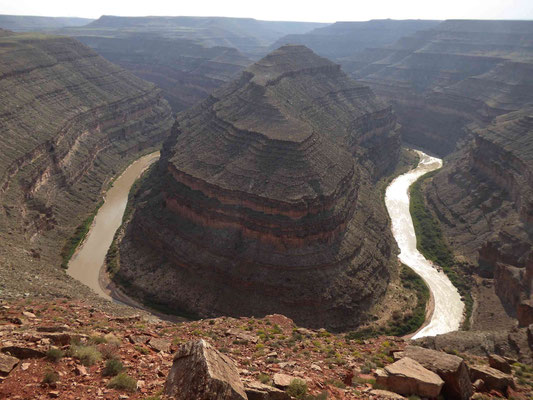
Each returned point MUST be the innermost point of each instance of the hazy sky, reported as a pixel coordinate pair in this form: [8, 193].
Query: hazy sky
[308, 10]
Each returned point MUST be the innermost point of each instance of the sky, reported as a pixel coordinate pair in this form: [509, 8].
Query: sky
[283, 10]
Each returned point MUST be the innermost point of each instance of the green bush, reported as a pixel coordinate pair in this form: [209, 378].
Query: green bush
[88, 355]
[112, 367]
[54, 354]
[123, 382]
[297, 388]
[50, 377]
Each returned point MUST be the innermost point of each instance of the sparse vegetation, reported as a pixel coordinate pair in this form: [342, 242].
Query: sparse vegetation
[297, 389]
[50, 377]
[54, 354]
[123, 382]
[88, 355]
[113, 367]
[431, 243]
[79, 235]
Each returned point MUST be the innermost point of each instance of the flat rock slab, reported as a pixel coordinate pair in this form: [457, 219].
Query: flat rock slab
[493, 378]
[283, 380]
[385, 394]
[139, 339]
[7, 363]
[159, 345]
[406, 376]
[452, 369]
[22, 352]
[201, 372]
[242, 335]
[259, 391]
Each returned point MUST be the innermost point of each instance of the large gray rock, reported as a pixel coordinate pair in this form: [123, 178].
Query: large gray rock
[259, 391]
[7, 363]
[450, 368]
[493, 378]
[406, 376]
[200, 372]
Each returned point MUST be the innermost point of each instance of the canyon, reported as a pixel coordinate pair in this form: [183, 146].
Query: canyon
[262, 200]
[70, 121]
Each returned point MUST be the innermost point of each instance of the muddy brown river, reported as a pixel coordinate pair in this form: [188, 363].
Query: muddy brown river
[88, 260]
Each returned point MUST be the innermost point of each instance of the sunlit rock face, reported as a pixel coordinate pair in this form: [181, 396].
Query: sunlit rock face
[263, 200]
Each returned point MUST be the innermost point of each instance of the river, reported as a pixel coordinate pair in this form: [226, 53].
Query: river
[448, 307]
[86, 263]
[447, 314]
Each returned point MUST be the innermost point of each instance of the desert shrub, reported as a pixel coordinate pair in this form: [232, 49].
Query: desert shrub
[123, 382]
[297, 388]
[54, 354]
[113, 367]
[88, 355]
[264, 379]
[50, 377]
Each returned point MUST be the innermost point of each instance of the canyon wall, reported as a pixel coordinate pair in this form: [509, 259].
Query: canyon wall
[484, 199]
[458, 72]
[263, 200]
[186, 72]
[70, 121]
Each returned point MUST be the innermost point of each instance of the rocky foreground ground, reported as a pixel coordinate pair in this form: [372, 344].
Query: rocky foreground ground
[71, 350]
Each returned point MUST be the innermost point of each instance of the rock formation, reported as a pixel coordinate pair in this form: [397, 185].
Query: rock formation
[461, 71]
[484, 199]
[348, 42]
[200, 371]
[248, 35]
[263, 200]
[186, 71]
[70, 121]
[408, 377]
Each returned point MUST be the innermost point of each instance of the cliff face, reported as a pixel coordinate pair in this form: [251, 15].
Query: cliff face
[70, 121]
[484, 198]
[459, 72]
[263, 199]
[346, 42]
[186, 71]
[250, 36]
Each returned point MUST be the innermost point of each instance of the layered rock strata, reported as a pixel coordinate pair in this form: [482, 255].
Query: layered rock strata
[484, 199]
[441, 79]
[70, 121]
[263, 199]
[186, 71]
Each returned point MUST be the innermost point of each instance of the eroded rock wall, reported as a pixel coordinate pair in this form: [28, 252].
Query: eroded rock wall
[263, 200]
[70, 121]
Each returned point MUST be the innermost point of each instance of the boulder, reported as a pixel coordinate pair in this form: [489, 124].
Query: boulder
[201, 372]
[452, 369]
[525, 313]
[493, 378]
[7, 363]
[283, 381]
[499, 363]
[407, 377]
[259, 391]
